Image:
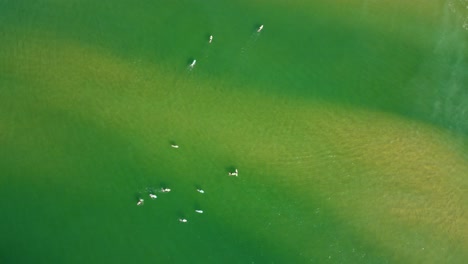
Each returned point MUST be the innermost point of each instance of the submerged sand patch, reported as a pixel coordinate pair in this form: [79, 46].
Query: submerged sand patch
[398, 183]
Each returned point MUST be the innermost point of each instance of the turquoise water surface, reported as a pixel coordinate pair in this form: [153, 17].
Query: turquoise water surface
[347, 122]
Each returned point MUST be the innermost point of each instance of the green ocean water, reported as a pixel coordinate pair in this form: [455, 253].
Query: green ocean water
[347, 121]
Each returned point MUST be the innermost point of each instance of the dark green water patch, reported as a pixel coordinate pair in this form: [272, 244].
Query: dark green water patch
[69, 190]
[311, 53]
[71, 199]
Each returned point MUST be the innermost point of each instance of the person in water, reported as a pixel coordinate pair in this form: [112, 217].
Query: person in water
[140, 202]
[193, 63]
[260, 28]
[235, 173]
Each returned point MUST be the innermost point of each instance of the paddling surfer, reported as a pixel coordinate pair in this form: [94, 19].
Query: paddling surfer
[140, 202]
[235, 173]
[260, 28]
[165, 190]
[193, 64]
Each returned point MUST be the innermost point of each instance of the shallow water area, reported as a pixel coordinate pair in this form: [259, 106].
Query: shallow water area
[347, 123]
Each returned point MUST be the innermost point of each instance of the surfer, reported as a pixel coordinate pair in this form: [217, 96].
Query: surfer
[235, 173]
[260, 28]
[193, 63]
[165, 190]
